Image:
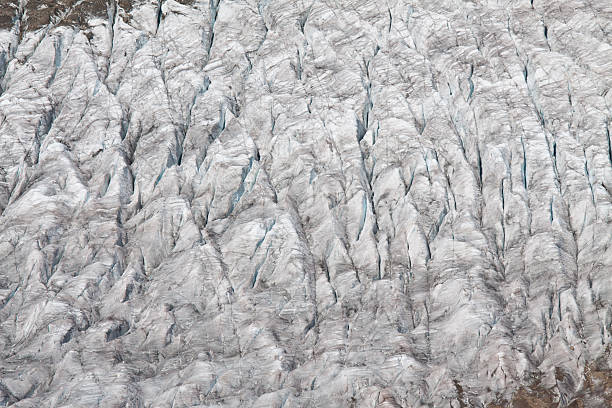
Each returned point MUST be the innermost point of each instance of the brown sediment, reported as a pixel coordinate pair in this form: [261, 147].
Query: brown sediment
[126, 5]
[534, 396]
[599, 383]
[460, 394]
[8, 12]
[40, 13]
[597, 392]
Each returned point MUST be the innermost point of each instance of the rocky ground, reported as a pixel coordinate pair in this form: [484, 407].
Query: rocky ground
[286, 203]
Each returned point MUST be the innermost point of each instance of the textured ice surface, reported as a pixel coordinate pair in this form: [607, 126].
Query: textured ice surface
[286, 203]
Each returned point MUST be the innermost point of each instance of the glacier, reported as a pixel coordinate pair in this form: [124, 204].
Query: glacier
[286, 203]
